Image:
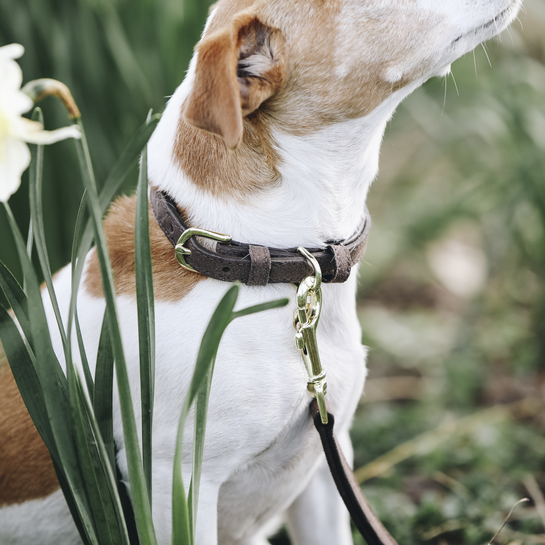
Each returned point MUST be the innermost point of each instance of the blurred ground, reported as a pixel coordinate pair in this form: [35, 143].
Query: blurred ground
[450, 433]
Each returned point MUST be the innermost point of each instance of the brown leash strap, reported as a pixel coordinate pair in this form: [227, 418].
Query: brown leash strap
[259, 265]
[362, 515]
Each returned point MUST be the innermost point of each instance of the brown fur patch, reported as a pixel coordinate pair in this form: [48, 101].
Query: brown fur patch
[170, 281]
[341, 61]
[342, 77]
[223, 94]
[205, 158]
[26, 470]
[214, 104]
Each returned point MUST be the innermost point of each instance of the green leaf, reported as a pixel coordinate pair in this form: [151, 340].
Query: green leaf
[104, 385]
[113, 184]
[146, 315]
[53, 385]
[97, 501]
[25, 376]
[71, 502]
[16, 298]
[84, 360]
[81, 243]
[36, 216]
[139, 494]
[30, 239]
[201, 413]
[129, 156]
[108, 467]
[77, 270]
[86, 476]
[211, 340]
[182, 524]
[79, 227]
[278, 303]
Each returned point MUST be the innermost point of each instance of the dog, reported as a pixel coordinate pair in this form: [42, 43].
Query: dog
[273, 138]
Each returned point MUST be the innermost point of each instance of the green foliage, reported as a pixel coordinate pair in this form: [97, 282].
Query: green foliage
[119, 58]
[456, 171]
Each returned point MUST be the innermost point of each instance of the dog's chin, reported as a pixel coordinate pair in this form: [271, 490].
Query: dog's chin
[443, 71]
[469, 40]
[491, 28]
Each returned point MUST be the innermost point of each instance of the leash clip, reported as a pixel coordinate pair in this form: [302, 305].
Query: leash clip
[307, 316]
[182, 251]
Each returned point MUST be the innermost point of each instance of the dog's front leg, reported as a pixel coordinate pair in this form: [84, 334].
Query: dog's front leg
[206, 532]
[318, 515]
[207, 511]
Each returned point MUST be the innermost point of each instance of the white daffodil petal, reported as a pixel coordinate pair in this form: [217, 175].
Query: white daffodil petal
[16, 130]
[34, 136]
[15, 159]
[23, 128]
[12, 51]
[11, 74]
[15, 103]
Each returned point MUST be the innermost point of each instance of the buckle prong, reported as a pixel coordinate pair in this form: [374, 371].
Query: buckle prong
[182, 251]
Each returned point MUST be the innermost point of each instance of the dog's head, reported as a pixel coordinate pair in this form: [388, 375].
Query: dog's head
[304, 64]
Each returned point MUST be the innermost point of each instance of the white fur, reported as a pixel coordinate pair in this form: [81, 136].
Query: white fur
[44, 522]
[262, 457]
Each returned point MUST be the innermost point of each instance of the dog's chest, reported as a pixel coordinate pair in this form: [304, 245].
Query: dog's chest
[260, 443]
[276, 448]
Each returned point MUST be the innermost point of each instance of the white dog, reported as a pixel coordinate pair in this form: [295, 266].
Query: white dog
[293, 97]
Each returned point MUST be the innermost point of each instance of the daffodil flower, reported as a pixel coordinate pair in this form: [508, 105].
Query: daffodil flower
[15, 130]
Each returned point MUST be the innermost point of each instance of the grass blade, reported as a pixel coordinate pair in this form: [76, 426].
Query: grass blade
[37, 219]
[22, 367]
[142, 507]
[201, 412]
[53, 385]
[16, 298]
[107, 467]
[86, 476]
[113, 184]
[129, 156]
[97, 502]
[182, 525]
[84, 360]
[104, 385]
[146, 315]
[77, 270]
[278, 303]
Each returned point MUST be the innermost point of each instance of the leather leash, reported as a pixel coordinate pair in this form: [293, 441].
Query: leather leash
[259, 265]
[360, 511]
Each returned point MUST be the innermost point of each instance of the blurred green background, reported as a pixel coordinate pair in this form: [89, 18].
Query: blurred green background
[450, 433]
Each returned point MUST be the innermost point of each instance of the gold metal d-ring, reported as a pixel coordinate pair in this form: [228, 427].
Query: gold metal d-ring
[182, 251]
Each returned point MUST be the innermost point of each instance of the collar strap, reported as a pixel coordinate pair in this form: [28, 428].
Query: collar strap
[251, 264]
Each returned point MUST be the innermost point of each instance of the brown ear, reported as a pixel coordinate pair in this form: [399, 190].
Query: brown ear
[237, 69]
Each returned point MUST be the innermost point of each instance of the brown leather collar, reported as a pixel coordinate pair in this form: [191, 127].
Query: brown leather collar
[259, 265]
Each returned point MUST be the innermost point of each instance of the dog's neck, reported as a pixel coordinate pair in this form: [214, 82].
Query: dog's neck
[319, 188]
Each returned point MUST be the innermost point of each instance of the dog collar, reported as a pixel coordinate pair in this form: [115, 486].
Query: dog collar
[254, 265]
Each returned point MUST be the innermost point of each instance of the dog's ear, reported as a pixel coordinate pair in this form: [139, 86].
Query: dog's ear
[237, 69]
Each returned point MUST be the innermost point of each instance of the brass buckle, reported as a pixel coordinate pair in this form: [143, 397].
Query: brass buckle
[182, 251]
